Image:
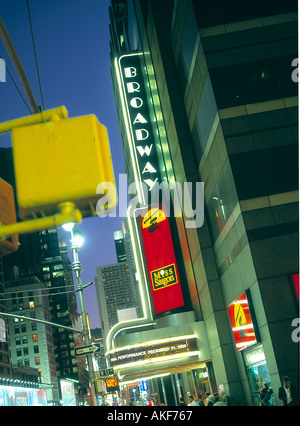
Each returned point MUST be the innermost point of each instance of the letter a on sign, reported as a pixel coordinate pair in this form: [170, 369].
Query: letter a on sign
[139, 119]
[148, 168]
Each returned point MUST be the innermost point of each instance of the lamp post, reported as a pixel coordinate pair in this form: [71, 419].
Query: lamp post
[76, 242]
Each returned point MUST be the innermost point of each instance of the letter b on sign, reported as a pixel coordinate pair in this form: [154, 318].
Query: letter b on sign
[130, 72]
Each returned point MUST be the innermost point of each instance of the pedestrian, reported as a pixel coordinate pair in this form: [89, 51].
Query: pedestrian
[200, 401]
[181, 401]
[192, 402]
[266, 395]
[210, 400]
[225, 398]
[206, 397]
[288, 393]
[218, 402]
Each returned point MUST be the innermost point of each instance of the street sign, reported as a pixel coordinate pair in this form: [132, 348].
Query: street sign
[85, 350]
[106, 372]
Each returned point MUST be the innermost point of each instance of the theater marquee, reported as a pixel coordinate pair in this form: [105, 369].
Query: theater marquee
[153, 351]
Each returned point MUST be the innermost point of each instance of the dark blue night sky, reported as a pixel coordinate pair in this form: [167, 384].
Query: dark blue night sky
[72, 44]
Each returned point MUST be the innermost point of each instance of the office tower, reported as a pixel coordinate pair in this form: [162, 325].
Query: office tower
[115, 295]
[216, 78]
[116, 284]
[120, 246]
[5, 366]
[30, 342]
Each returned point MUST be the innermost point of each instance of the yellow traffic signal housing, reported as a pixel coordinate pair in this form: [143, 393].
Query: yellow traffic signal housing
[7, 217]
[62, 160]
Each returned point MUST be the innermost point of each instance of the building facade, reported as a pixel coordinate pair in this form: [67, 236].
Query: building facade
[223, 104]
[115, 294]
[31, 343]
[5, 365]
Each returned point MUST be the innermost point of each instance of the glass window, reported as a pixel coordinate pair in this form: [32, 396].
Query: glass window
[265, 172]
[18, 340]
[35, 338]
[258, 374]
[222, 201]
[188, 41]
[37, 360]
[58, 274]
[255, 81]
[206, 113]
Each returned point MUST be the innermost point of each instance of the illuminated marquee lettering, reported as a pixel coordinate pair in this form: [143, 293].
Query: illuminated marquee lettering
[150, 182]
[130, 72]
[133, 87]
[136, 102]
[138, 98]
[149, 168]
[141, 134]
[140, 119]
[144, 150]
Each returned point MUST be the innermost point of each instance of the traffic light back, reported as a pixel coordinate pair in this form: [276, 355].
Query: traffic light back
[63, 160]
[7, 217]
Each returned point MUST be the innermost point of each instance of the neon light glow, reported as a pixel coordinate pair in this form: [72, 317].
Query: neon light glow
[158, 359]
[153, 342]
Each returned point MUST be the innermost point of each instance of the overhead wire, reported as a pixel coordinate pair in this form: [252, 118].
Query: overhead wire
[14, 83]
[43, 295]
[43, 289]
[35, 54]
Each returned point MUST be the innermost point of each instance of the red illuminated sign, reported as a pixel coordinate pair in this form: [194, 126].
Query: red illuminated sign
[242, 323]
[296, 283]
[161, 262]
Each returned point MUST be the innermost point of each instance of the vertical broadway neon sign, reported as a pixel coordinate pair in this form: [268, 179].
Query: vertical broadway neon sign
[135, 95]
[135, 98]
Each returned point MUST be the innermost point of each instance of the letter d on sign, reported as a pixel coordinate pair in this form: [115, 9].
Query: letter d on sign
[2, 71]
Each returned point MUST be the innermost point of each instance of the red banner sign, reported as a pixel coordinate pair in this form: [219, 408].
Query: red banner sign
[241, 323]
[296, 283]
[161, 262]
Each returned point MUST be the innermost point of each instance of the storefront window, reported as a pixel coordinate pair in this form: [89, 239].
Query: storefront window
[258, 373]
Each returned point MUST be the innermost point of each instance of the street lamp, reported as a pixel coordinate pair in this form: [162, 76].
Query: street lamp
[77, 240]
